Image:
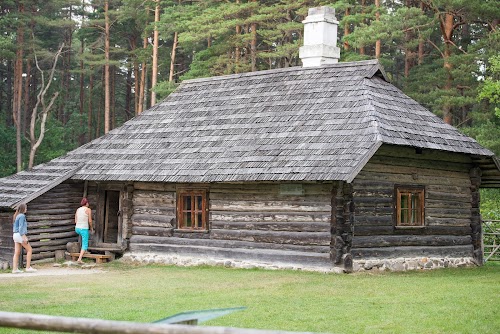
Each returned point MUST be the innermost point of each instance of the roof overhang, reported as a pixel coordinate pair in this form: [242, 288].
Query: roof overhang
[490, 171]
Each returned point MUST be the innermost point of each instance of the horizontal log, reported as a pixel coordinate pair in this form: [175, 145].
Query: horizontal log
[464, 197]
[406, 177]
[62, 228]
[428, 230]
[54, 206]
[138, 239]
[152, 231]
[376, 211]
[427, 155]
[267, 197]
[31, 217]
[268, 188]
[51, 236]
[296, 238]
[154, 198]
[42, 256]
[48, 211]
[393, 163]
[148, 186]
[152, 220]
[412, 251]
[47, 223]
[148, 210]
[461, 213]
[273, 226]
[271, 206]
[446, 204]
[448, 221]
[53, 242]
[365, 220]
[232, 216]
[49, 248]
[409, 240]
[375, 201]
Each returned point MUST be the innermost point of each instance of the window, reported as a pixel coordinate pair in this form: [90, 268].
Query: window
[410, 206]
[192, 210]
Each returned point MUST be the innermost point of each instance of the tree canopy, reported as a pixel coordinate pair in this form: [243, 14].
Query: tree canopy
[442, 53]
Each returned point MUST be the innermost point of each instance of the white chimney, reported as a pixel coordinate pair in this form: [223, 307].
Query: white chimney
[320, 38]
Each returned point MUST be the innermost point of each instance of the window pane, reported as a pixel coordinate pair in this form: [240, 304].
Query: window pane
[199, 220]
[199, 202]
[187, 202]
[187, 219]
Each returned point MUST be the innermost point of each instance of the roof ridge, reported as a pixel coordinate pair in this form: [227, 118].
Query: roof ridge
[288, 69]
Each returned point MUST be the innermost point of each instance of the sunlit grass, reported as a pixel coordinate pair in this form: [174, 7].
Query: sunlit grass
[440, 301]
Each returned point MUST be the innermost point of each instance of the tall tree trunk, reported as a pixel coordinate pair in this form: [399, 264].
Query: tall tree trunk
[89, 104]
[10, 88]
[362, 47]
[346, 29]
[112, 113]
[142, 89]
[172, 58]
[420, 40]
[377, 18]
[81, 136]
[253, 45]
[26, 98]
[107, 97]
[128, 92]
[18, 90]
[40, 102]
[447, 30]
[154, 75]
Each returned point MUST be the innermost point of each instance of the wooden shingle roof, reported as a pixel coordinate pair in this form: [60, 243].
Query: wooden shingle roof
[293, 124]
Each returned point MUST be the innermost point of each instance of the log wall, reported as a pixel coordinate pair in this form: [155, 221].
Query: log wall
[448, 205]
[6, 242]
[51, 219]
[261, 217]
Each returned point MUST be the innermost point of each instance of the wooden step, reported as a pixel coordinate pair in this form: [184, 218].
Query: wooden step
[99, 258]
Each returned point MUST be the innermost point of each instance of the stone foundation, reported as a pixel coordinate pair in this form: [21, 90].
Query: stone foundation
[404, 264]
[398, 264]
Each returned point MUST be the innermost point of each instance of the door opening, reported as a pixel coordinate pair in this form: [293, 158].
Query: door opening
[111, 216]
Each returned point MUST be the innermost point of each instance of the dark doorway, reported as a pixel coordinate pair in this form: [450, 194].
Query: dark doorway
[111, 216]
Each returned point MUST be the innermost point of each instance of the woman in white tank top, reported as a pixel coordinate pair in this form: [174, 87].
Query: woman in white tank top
[83, 221]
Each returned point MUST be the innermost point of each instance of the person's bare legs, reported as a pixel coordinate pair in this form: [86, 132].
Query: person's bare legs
[81, 255]
[17, 252]
[29, 252]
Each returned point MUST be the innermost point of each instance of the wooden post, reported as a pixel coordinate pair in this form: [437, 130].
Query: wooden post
[98, 326]
[477, 233]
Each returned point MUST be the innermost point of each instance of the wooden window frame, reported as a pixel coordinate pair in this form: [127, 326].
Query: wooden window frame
[400, 190]
[194, 211]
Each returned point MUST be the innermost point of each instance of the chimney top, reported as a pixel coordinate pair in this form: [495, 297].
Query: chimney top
[320, 38]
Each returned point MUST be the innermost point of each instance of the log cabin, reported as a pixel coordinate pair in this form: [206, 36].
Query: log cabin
[326, 166]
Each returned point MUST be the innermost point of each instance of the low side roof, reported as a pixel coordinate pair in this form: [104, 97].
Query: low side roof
[28, 185]
[293, 124]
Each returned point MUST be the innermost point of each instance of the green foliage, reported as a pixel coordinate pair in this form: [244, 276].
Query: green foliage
[490, 204]
[8, 149]
[164, 88]
[490, 89]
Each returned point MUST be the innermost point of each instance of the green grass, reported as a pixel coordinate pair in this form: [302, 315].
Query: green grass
[465, 300]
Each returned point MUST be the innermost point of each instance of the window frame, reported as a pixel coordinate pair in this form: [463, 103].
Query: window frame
[181, 197]
[400, 190]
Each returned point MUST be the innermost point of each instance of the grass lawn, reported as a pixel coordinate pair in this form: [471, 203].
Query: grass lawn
[465, 300]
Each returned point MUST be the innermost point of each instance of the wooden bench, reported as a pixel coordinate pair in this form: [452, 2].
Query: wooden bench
[99, 258]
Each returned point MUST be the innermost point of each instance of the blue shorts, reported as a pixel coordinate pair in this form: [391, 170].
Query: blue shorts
[84, 233]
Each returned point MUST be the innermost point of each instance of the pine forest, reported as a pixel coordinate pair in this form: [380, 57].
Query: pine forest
[72, 70]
